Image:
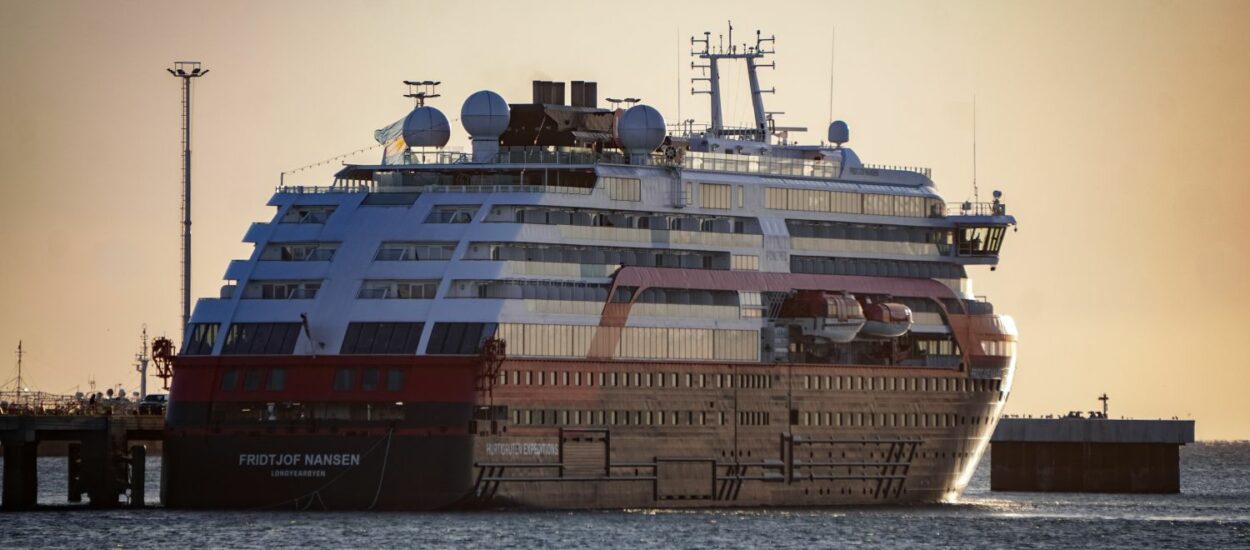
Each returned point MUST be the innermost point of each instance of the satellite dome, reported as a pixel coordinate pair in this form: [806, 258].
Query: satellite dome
[839, 133]
[426, 127]
[485, 115]
[641, 129]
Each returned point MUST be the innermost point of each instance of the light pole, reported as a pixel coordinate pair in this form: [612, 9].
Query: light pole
[186, 70]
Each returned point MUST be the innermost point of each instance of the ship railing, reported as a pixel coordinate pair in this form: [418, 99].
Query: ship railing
[995, 208]
[352, 186]
[926, 172]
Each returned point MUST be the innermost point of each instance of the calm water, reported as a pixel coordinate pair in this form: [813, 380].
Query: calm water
[1213, 511]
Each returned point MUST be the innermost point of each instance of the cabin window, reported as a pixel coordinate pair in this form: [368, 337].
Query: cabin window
[446, 213]
[394, 380]
[277, 380]
[251, 380]
[344, 379]
[229, 379]
[623, 189]
[370, 379]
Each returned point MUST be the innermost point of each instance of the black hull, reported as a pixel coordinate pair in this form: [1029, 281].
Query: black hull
[330, 472]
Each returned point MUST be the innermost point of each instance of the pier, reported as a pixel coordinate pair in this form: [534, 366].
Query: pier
[1088, 455]
[103, 461]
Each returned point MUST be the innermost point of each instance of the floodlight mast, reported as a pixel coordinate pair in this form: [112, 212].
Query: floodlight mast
[186, 70]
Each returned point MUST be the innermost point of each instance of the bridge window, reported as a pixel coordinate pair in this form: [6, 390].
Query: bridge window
[979, 241]
[398, 290]
[261, 339]
[281, 290]
[459, 338]
[299, 252]
[202, 338]
[381, 338]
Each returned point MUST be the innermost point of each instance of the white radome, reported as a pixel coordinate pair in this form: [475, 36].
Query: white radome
[641, 129]
[485, 114]
[426, 127]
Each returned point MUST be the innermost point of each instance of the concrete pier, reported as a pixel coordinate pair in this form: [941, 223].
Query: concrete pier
[101, 465]
[1088, 455]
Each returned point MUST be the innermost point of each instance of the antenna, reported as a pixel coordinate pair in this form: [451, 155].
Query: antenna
[832, 34]
[760, 132]
[421, 90]
[1104, 400]
[976, 193]
[141, 364]
[186, 70]
[20, 353]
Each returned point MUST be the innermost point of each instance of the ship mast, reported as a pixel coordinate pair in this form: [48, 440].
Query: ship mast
[141, 364]
[750, 54]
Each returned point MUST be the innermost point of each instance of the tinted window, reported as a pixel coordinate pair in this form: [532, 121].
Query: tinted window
[394, 380]
[459, 338]
[229, 379]
[261, 339]
[277, 380]
[251, 380]
[370, 380]
[343, 379]
[202, 338]
[381, 338]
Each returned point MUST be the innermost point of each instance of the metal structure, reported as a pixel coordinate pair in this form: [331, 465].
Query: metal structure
[186, 70]
[749, 54]
[141, 364]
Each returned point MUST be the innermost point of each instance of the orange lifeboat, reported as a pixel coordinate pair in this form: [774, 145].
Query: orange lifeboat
[834, 318]
[885, 319]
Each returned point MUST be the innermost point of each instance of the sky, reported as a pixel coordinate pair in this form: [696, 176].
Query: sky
[1115, 130]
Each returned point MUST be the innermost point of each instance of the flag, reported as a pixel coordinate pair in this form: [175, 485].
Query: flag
[393, 138]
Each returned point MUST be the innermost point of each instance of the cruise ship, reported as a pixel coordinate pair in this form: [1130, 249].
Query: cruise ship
[592, 308]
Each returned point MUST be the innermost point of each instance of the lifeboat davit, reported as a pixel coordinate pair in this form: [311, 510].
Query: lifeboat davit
[836, 318]
[886, 320]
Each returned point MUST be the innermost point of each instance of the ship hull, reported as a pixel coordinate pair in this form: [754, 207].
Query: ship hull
[602, 434]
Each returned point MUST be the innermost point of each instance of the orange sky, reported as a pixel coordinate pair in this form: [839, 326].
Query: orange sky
[1116, 130]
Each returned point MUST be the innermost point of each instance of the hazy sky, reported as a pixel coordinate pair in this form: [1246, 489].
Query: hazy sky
[1116, 130]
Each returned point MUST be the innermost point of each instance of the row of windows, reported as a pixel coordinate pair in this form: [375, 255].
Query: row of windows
[846, 202]
[415, 251]
[575, 417]
[398, 290]
[866, 232]
[299, 252]
[258, 339]
[233, 412]
[578, 417]
[549, 340]
[744, 262]
[381, 338]
[630, 219]
[307, 214]
[273, 379]
[367, 379]
[281, 290]
[875, 268]
[633, 379]
[887, 383]
[623, 189]
[886, 420]
[452, 213]
[529, 289]
[644, 257]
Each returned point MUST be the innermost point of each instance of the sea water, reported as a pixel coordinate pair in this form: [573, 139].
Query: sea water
[1212, 511]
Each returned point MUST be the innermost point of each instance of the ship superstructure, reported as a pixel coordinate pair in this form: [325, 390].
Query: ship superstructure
[595, 309]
